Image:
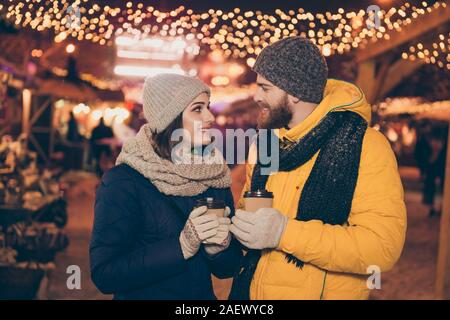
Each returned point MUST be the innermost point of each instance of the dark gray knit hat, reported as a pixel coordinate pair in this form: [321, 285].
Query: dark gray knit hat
[295, 65]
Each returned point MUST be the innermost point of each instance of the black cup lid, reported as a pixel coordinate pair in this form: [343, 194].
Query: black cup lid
[258, 194]
[211, 203]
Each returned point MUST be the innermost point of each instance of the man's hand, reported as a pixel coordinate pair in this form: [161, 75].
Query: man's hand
[259, 230]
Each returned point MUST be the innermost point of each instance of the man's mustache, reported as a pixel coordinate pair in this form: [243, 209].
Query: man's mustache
[263, 105]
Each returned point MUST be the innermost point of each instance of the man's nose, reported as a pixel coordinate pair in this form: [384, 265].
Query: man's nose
[257, 96]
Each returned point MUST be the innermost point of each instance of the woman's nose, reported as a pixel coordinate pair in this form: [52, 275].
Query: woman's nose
[209, 117]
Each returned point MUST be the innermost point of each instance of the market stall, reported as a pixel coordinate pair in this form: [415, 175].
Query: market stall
[32, 217]
[437, 113]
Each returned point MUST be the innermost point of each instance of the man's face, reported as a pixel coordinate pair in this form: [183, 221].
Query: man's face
[275, 111]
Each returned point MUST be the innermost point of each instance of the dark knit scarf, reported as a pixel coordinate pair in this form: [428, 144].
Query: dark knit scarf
[327, 194]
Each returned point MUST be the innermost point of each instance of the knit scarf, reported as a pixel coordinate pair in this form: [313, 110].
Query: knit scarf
[190, 176]
[328, 192]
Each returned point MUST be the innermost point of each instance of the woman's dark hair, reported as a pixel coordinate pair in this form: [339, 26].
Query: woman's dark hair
[162, 141]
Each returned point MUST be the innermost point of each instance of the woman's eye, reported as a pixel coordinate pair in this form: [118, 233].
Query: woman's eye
[198, 109]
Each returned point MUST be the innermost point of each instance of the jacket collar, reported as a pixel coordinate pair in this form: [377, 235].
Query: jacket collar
[338, 96]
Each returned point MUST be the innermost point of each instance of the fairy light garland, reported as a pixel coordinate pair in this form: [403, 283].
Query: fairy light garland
[236, 33]
[408, 105]
[437, 53]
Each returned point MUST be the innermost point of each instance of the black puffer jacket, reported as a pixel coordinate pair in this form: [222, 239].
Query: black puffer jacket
[135, 251]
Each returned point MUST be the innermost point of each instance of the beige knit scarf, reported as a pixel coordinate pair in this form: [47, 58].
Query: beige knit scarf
[191, 177]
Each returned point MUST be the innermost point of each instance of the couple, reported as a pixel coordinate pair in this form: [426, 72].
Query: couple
[338, 207]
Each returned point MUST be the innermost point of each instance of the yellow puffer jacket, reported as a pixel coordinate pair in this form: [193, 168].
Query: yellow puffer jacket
[336, 257]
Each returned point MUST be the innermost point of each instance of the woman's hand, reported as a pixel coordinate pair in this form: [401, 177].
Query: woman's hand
[222, 239]
[198, 228]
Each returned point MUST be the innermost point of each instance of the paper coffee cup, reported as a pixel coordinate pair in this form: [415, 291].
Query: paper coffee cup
[255, 200]
[215, 206]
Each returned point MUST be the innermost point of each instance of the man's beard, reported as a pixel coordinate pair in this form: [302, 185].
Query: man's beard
[275, 118]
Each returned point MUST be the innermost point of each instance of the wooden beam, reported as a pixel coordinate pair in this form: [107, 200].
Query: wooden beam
[443, 264]
[381, 77]
[9, 65]
[421, 25]
[397, 72]
[40, 110]
[366, 78]
[371, 76]
[51, 147]
[39, 149]
[27, 97]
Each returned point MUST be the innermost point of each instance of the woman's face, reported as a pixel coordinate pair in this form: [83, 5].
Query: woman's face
[197, 120]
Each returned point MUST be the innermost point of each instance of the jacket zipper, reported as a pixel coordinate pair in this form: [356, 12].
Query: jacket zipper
[263, 267]
[323, 285]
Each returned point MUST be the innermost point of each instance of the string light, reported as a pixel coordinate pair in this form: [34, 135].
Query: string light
[437, 52]
[407, 105]
[235, 33]
[70, 48]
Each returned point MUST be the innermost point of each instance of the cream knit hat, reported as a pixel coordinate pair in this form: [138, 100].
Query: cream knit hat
[166, 95]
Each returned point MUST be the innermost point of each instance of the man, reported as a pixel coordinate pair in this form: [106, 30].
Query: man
[338, 211]
[99, 150]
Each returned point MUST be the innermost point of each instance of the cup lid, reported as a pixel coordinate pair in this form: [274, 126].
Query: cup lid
[258, 194]
[211, 203]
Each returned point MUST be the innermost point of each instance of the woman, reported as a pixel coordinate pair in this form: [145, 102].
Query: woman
[149, 241]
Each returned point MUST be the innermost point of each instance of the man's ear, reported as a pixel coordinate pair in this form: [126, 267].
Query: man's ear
[293, 100]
